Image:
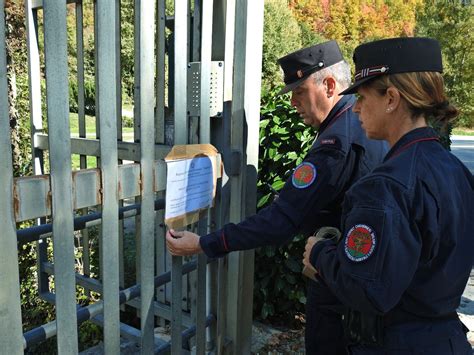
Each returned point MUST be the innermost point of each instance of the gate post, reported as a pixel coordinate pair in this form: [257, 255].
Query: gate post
[11, 337]
[244, 140]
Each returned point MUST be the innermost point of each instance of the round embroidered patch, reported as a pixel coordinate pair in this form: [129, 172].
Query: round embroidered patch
[359, 243]
[304, 175]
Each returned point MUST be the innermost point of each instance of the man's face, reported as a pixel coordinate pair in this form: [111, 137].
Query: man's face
[311, 102]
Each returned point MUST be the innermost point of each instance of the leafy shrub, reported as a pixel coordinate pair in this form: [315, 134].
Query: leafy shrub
[284, 141]
[89, 96]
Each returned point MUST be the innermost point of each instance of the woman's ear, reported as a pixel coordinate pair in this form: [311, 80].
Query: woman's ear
[393, 98]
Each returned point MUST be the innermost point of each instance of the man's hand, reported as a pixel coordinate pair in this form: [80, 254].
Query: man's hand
[324, 233]
[308, 269]
[182, 243]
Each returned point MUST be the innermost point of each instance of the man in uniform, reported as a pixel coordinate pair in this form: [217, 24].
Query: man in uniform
[312, 196]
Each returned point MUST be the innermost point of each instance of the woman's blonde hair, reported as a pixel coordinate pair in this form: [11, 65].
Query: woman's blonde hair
[424, 94]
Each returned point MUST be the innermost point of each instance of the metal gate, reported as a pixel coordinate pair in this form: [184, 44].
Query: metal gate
[197, 74]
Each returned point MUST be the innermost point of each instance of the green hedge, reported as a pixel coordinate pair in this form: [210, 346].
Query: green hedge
[284, 141]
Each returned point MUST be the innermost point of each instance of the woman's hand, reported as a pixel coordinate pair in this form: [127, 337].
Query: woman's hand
[182, 243]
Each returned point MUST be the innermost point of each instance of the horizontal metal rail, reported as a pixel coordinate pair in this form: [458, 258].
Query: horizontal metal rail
[48, 330]
[160, 309]
[44, 230]
[186, 335]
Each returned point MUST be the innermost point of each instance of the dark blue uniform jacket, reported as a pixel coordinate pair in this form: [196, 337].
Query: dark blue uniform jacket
[313, 198]
[407, 245]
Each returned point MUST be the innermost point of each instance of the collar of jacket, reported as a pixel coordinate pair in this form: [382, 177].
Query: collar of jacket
[417, 135]
[343, 103]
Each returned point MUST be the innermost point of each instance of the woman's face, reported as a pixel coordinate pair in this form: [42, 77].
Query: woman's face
[371, 107]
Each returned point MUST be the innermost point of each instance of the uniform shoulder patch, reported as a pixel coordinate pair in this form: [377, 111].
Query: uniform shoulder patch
[304, 175]
[360, 242]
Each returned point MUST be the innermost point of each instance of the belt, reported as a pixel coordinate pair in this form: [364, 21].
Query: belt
[399, 317]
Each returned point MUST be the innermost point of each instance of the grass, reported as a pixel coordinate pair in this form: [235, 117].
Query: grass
[90, 125]
[463, 131]
[90, 133]
[91, 162]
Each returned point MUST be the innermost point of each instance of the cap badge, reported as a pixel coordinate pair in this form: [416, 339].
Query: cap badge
[381, 69]
[360, 243]
[304, 175]
[299, 74]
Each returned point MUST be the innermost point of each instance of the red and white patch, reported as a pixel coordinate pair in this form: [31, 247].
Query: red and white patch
[360, 243]
[304, 175]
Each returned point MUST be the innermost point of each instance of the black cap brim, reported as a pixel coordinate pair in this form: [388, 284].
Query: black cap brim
[353, 88]
[292, 86]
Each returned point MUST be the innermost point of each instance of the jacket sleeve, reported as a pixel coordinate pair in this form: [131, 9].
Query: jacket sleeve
[377, 257]
[311, 187]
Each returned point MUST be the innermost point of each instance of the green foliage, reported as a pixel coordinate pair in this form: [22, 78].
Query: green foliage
[127, 49]
[308, 36]
[351, 22]
[452, 23]
[281, 35]
[284, 141]
[89, 96]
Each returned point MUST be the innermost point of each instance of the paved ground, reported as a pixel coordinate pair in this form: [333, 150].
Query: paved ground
[463, 148]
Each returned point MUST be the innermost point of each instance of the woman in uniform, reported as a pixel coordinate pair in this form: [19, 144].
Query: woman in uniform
[407, 245]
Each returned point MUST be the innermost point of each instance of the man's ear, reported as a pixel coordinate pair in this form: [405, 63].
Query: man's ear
[330, 86]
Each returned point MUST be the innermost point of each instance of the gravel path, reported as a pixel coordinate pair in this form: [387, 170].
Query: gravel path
[267, 340]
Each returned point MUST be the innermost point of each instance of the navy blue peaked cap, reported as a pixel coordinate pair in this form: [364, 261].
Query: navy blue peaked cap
[394, 55]
[297, 66]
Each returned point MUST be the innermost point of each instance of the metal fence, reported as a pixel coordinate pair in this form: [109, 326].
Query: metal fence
[197, 80]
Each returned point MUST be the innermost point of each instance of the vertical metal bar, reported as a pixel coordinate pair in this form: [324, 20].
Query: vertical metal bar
[137, 87]
[229, 13]
[193, 278]
[222, 50]
[147, 140]
[253, 69]
[180, 137]
[108, 151]
[180, 71]
[80, 76]
[204, 137]
[36, 123]
[118, 94]
[11, 336]
[97, 115]
[82, 124]
[253, 60]
[160, 139]
[97, 74]
[118, 69]
[34, 78]
[160, 73]
[234, 305]
[61, 183]
[194, 35]
[247, 27]
[136, 121]
[229, 49]
[206, 45]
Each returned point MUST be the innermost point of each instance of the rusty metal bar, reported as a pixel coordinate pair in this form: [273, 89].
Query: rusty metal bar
[10, 325]
[60, 162]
